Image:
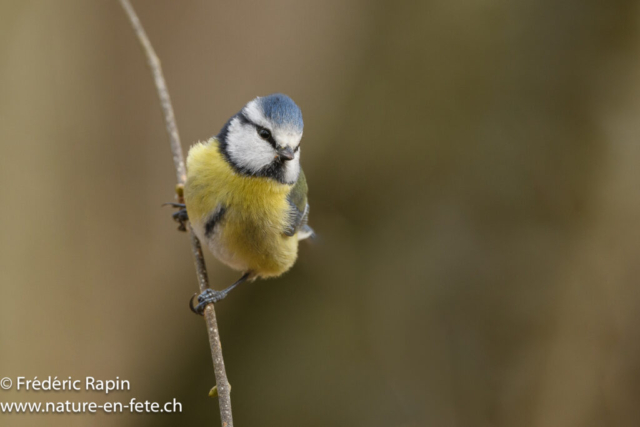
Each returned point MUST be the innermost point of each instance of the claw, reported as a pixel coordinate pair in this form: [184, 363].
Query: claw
[175, 205]
[181, 216]
[209, 296]
[191, 304]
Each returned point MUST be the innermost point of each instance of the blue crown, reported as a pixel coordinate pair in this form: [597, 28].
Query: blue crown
[282, 111]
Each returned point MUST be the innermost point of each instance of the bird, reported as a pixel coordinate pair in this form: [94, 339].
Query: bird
[246, 194]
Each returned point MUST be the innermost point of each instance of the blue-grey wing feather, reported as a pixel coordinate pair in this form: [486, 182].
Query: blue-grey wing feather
[299, 210]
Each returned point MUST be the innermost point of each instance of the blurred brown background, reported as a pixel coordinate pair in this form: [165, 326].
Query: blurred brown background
[474, 180]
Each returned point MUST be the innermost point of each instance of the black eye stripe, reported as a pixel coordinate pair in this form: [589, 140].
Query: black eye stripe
[264, 133]
[269, 139]
[245, 120]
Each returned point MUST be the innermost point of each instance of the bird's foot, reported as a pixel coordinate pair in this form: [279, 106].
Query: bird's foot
[181, 216]
[209, 296]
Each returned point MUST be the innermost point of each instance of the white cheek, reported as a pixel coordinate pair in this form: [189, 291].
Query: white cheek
[247, 149]
[292, 169]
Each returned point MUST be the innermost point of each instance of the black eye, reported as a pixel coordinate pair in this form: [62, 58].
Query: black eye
[264, 133]
[297, 148]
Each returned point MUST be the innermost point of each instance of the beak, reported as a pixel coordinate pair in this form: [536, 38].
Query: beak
[286, 153]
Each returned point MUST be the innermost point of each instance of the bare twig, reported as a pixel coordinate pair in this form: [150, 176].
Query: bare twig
[224, 389]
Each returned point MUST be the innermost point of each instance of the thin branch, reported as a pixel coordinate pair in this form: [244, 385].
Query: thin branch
[163, 92]
[224, 389]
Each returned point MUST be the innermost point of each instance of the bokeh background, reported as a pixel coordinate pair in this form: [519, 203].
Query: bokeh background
[474, 180]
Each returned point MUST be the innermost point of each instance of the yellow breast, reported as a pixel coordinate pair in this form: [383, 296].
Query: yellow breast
[250, 235]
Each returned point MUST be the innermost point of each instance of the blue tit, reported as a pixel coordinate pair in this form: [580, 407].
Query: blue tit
[246, 194]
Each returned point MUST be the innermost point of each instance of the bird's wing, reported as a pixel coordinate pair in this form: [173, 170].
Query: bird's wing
[299, 212]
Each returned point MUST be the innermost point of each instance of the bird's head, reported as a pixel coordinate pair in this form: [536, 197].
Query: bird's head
[263, 139]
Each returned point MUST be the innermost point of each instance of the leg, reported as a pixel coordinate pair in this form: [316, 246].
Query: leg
[210, 296]
[181, 216]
